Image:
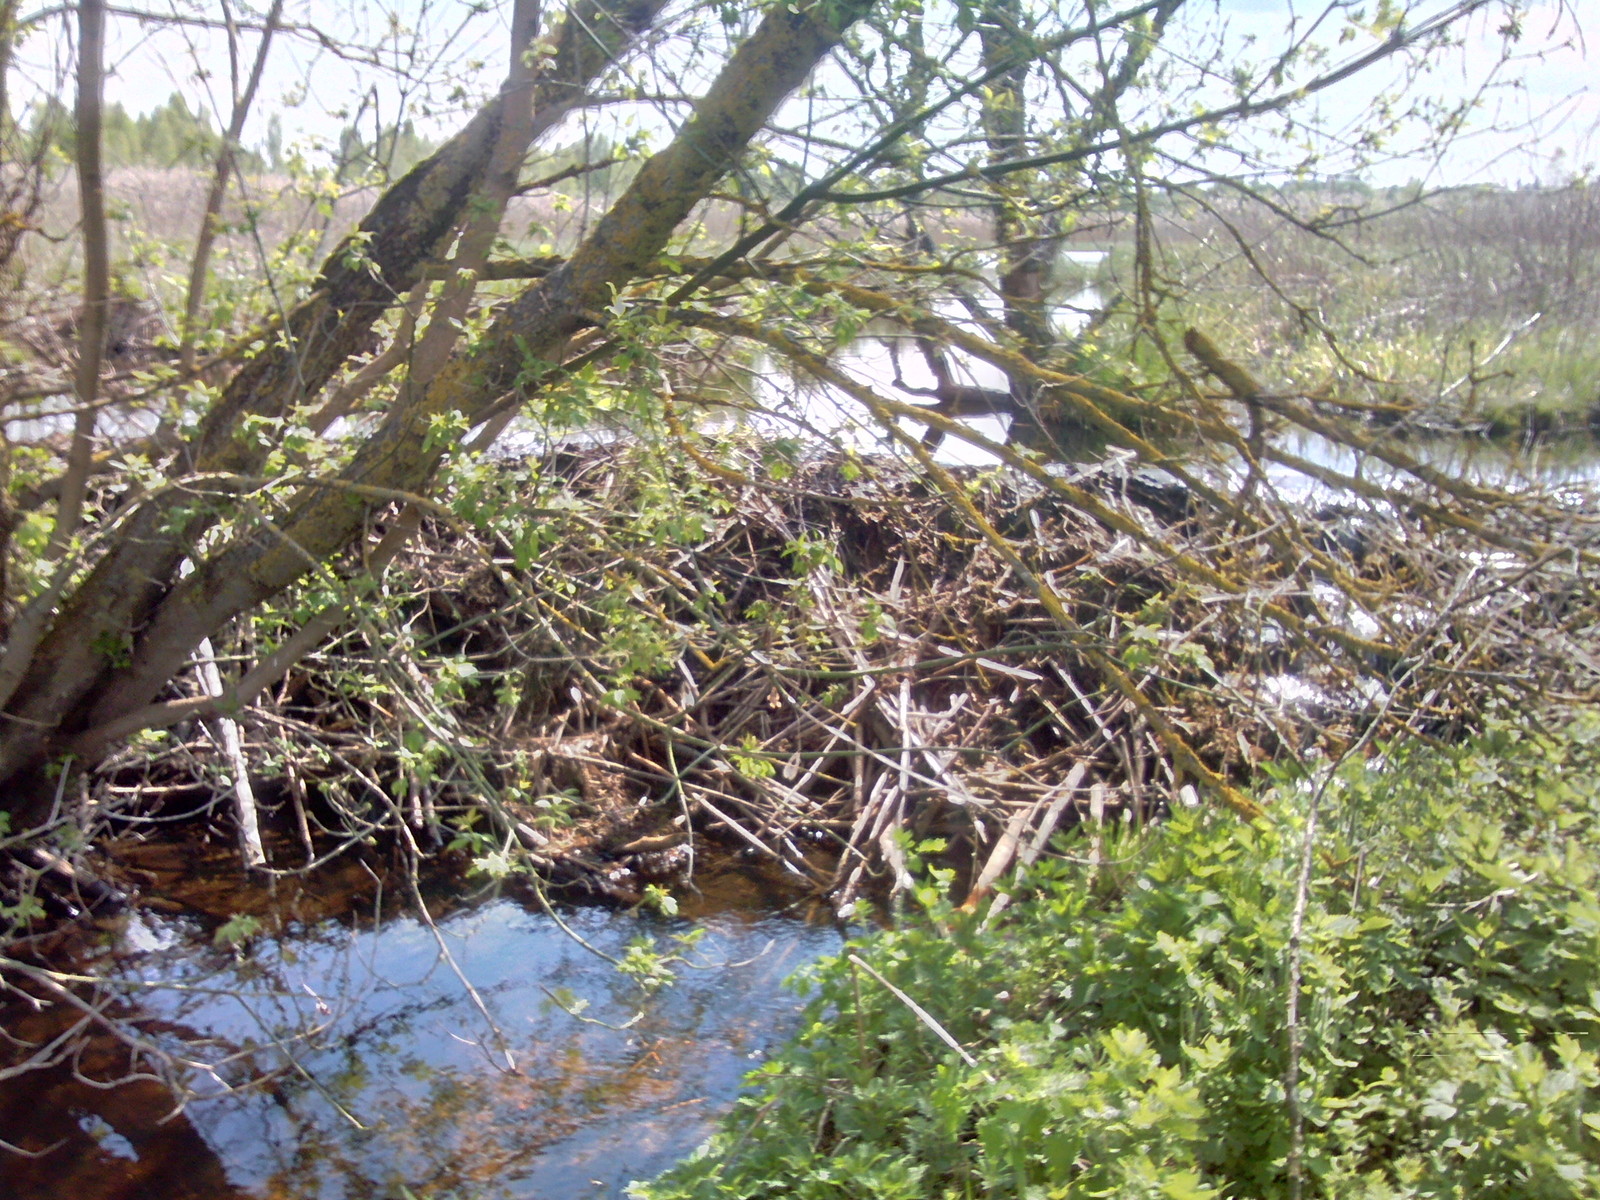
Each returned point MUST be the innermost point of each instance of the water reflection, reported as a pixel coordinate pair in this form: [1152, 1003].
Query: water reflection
[404, 1083]
[887, 359]
[1558, 463]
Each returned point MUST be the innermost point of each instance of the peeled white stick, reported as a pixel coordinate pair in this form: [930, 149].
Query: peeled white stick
[225, 732]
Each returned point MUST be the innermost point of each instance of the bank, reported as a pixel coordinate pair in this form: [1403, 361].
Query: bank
[1131, 1029]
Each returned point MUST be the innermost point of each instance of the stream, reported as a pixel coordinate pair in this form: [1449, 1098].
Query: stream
[488, 1054]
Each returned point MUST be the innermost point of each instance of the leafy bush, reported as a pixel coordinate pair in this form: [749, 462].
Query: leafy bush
[1126, 1026]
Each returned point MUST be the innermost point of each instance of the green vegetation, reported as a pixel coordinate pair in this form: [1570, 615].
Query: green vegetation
[1468, 310]
[168, 136]
[1126, 1030]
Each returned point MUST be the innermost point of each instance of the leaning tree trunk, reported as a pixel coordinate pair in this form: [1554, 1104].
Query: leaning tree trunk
[1027, 243]
[156, 619]
[64, 651]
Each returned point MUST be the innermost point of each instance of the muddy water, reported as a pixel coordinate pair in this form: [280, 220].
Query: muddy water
[490, 1054]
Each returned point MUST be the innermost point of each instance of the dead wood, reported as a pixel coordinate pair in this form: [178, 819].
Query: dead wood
[824, 672]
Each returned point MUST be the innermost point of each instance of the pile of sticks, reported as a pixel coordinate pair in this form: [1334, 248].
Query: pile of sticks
[830, 670]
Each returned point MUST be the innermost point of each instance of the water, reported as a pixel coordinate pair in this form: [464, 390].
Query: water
[1570, 462]
[560, 1077]
[890, 362]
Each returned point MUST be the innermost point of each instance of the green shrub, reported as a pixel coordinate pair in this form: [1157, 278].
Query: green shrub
[1127, 1025]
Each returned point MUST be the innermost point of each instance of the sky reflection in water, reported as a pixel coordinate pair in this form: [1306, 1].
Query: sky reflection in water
[408, 1055]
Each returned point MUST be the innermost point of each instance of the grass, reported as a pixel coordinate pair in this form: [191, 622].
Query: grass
[1473, 311]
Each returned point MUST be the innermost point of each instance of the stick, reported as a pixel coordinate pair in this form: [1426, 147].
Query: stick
[225, 732]
[922, 1015]
[1041, 836]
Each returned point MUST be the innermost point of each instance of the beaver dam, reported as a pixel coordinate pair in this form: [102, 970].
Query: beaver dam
[667, 666]
[808, 668]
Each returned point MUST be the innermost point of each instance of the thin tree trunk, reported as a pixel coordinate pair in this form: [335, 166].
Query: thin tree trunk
[96, 271]
[1026, 253]
[211, 221]
[10, 235]
[225, 733]
[8, 43]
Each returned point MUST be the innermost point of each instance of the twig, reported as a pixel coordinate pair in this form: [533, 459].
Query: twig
[1065, 791]
[922, 1015]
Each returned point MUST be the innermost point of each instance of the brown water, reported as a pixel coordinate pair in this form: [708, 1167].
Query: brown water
[563, 1078]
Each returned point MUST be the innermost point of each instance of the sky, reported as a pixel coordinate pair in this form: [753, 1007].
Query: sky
[1537, 110]
[1538, 122]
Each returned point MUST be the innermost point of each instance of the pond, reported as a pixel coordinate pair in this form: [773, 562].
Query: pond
[889, 360]
[1569, 462]
[490, 1053]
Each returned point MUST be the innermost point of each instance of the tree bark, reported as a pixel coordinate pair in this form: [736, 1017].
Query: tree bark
[45, 692]
[96, 271]
[402, 454]
[200, 261]
[1026, 252]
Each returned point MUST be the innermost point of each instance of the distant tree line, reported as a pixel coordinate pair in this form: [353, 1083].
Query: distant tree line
[171, 135]
[174, 135]
[391, 153]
